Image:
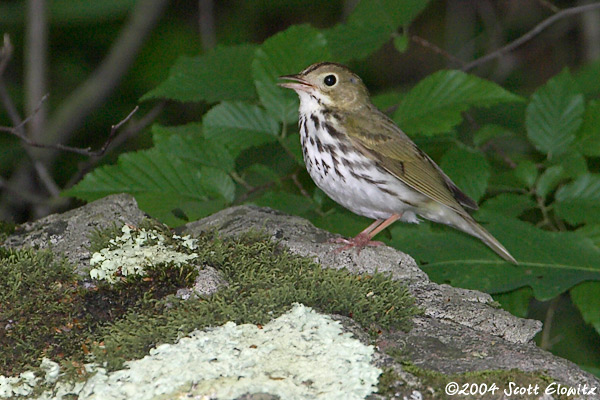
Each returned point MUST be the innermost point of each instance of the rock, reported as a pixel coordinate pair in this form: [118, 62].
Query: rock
[459, 331]
[68, 233]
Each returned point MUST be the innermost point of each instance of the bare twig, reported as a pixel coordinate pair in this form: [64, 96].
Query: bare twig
[5, 53]
[549, 6]
[436, 49]
[36, 43]
[18, 132]
[131, 131]
[93, 92]
[529, 35]
[206, 23]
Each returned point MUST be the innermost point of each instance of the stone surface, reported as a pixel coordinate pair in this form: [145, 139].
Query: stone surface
[459, 330]
[68, 233]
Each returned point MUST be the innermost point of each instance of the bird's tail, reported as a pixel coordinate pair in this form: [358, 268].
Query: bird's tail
[471, 227]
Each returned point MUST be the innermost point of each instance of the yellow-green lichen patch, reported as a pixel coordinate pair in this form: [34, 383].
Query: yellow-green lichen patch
[264, 280]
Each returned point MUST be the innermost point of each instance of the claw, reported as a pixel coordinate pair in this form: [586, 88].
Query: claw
[359, 242]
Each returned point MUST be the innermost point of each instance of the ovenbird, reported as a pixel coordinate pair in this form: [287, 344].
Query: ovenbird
[363, 161]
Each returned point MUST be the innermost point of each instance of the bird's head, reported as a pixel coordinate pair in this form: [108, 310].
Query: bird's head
[332, 85]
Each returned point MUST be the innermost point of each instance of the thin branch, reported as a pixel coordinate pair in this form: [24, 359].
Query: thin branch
[131, 131]
[5, 53]
[436, 49]
[92, 93]
[206, 23]
[18, 132]
[549, 6]
[529, 35]
[36, 43]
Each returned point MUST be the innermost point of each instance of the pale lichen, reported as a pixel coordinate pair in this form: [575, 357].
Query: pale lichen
[302, 354]
[135, 250]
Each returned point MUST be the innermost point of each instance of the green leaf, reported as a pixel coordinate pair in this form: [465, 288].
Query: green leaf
[287, 52]
[592, 232]
[574, 164]
[193, 148]
[554, 115]
[587, 78]
[490, 132]
[588, 137]
[238, 126]
[343, 222]
[435, 104]
[401, 43]
[161, 182]
[586, 296]
[579, 201]
[526, 172]
[549, 262]
[221, 74]
[388, 101]
[549, 180]
[370, 25]
[516, 302]
[509, 204]
[286, 202]
[468, 169]
[292, 144]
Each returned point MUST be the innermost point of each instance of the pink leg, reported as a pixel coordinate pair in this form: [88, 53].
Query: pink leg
[364, 238]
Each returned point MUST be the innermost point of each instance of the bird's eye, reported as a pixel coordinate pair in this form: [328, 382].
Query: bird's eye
[330, 80]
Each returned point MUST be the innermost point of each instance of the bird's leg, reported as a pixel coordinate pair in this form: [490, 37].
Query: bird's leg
[364, 238]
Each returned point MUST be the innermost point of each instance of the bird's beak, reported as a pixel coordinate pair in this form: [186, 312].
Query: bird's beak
[296, 84]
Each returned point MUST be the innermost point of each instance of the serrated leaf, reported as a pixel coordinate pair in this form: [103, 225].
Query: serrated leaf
[161, 181]
[579, 201]
[238, 126]
[554, 114]
[526, 172]
[468, 169]
[549, 262]
[287, 52]
[435, 104]
[549, 180]
[509, 204]
[287, 202]
[588, 137]
[221, 74]
[586, 296]
[193, 148]
[370, 25]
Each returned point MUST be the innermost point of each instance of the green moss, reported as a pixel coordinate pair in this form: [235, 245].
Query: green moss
[264, 280]
[52, 314]
[6, 229]
[388, 380]
[39, 312]
[434, 383]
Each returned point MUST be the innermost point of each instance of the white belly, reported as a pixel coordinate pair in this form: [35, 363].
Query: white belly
[354, 181]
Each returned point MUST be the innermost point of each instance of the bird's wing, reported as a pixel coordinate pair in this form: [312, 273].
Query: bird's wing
[384, 141]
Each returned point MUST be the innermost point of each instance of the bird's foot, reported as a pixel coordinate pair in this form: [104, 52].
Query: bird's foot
[360, 241]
